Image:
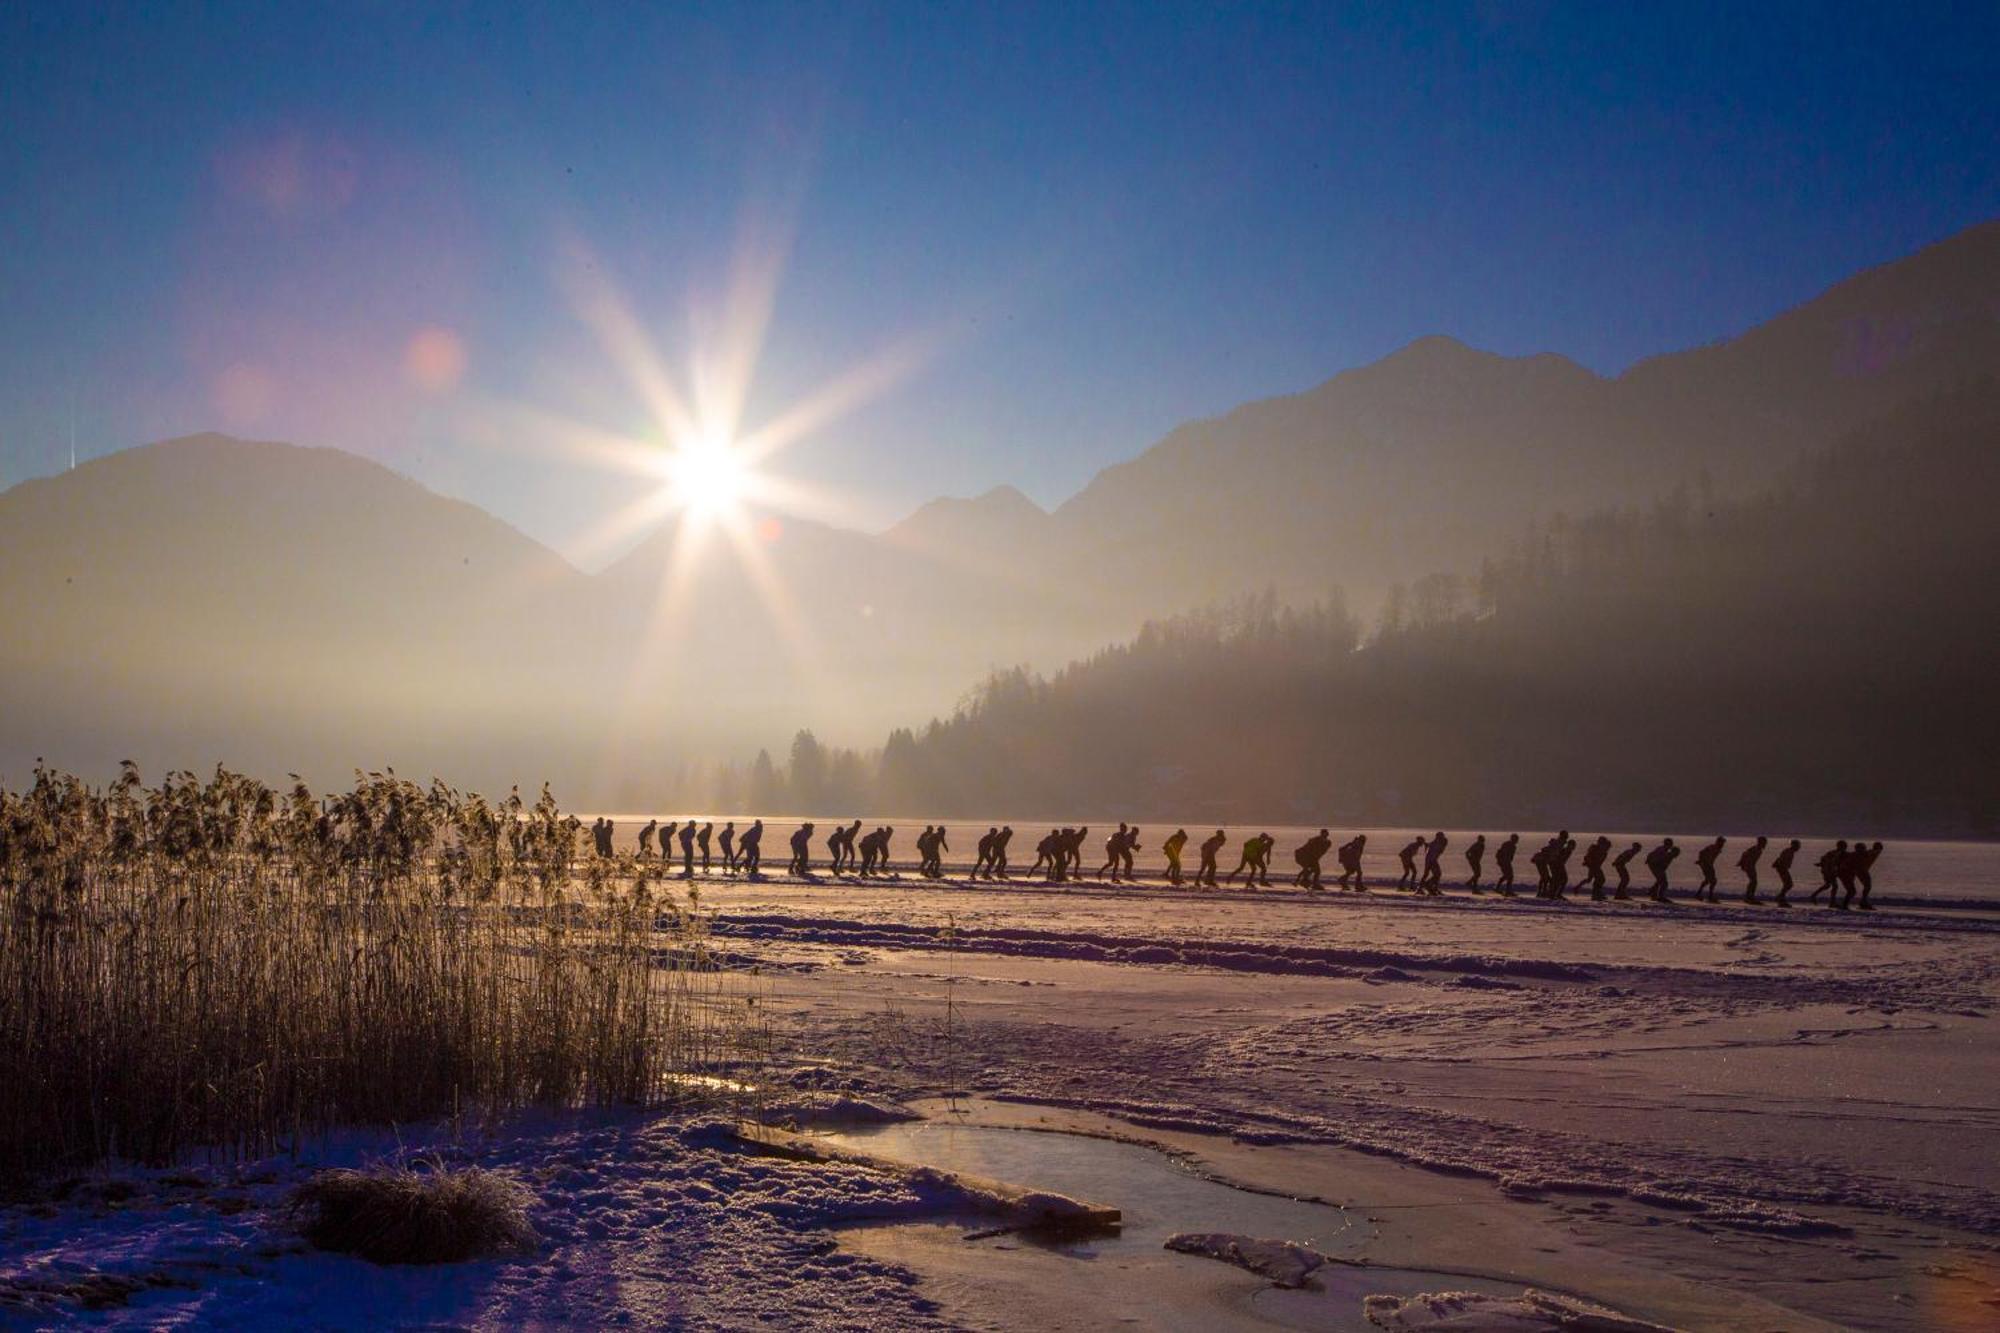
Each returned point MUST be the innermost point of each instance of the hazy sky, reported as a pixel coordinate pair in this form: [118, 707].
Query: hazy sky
[1072, 225]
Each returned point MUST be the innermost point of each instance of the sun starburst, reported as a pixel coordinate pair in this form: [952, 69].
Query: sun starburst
[710, 477]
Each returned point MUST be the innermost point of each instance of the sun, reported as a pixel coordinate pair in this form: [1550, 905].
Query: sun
[709, 475]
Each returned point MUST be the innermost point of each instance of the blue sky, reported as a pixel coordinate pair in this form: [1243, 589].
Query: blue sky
[1093, 222]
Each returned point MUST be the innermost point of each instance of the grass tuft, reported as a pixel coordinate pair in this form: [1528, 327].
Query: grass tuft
[425, 1214]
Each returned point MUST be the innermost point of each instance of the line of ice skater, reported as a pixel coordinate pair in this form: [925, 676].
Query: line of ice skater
[1846, 870]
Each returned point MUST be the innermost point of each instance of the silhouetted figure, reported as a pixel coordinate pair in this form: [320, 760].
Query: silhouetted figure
[1309, 855]
[1559, 863]
[1114, 854]
[1844, 870]
[728, 841]
[1211, 847]
[1781, 866]
[601, 835]
[1747, 863]
[1432, 880]
[751, 855]
[1658, 861]
[1172, 847]
[883, 837]
[1503, 863]
[1475, 858]
[646, 839]
[1623, 865]
[1704, 861]
[847, 838]
[871, 852]
[1350, 863]
[1408, 856]
[667, 846]
[1829, 870]
[801, 852]
[1045, 853]
[1125, 856]
[687, 850]
[1593, 867]
[934, 862]
[834, 857]
[1256, 863]
[1072, 852]
[985, 850]
[1552, 866]
[998, 866]
[1864, 870]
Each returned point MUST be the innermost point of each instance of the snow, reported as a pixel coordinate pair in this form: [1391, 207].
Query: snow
[1473, 1313]
[1791, 1106]
[645, 1221]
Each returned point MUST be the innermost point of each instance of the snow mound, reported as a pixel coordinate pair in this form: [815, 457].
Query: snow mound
[825, 1108]
[1467, 1312]
[1285, 1263]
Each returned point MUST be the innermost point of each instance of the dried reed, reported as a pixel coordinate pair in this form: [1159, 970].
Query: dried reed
[215, 965]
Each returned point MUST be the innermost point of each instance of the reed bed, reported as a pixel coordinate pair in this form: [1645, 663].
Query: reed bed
[216, 966]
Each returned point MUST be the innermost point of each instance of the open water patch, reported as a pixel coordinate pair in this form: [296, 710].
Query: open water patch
[1118, 1274]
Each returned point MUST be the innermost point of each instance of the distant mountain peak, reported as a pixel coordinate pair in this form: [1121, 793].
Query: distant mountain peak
[1436, 346]
[1005, 498]
[210, 448]
[1002, 510]
[1441, 354]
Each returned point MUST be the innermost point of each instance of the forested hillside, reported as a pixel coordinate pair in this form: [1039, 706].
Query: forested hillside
[1821, 653]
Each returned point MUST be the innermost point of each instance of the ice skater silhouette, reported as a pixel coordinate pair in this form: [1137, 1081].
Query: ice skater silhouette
[1781, 866]
[1350, 863]
[1503, 861]
[1747, 863]
[1172, 847]
[1622, 864]
[1704, 861]
[1211, 847]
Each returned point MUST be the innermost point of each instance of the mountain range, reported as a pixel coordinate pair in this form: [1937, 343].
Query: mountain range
[295, 609]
